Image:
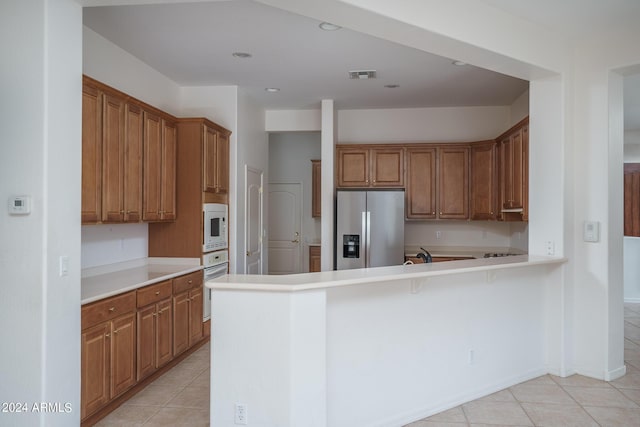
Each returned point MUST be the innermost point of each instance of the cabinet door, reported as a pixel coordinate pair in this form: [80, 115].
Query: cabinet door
[152, 167]
[453, 186]
[314, 259]
[222, 163]
[91, 155]
[421, 183]
[133, 163]
[195, 315]
[483, 182]
[316, 187]
[112, 159]
[180, 323]
[387, 168]
[353, 167]
[96, 346]
[123, 354]
[146, 354]
[209, 164]
[517, 144]
[163, 333]
[525, 173]
[168, 172]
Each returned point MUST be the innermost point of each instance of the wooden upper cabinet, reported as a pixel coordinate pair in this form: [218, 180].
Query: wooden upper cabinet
[513, 147]
[421, 183]
[353, 166]
[387, 167]
[316, 187]
[215, 168]
[483, 181]
[91, 154]
[113, 117]
[159, 194]
[453, 183]
[168, 171]
[362, 166]
[132, 198]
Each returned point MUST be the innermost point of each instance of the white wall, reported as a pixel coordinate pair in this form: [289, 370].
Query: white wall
[290, 155]
[519, 109]
[109, 64]
[292, 120]
[253, 151]
[451, 124]
[41, 145]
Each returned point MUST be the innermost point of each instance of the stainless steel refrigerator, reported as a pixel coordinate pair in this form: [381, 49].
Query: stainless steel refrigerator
[369, 229]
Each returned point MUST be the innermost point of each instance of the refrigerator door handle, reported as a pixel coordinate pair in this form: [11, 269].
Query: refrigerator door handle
[363, 238]
[368, 241]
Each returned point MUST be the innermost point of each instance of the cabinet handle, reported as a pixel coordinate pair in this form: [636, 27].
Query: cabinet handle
[112, 309]
[107, 335]
[157, 292]
[122, 212]
[190, 281]
[115, 332]
[440, 213]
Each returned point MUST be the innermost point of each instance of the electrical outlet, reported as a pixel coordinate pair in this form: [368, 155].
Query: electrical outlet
[550, 247]
[471, 357]
[438, 235]
[241, 414]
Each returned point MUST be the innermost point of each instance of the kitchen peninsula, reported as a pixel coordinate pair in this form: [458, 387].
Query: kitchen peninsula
[380, 346]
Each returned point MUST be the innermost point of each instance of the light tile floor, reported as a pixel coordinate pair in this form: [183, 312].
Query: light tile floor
[552, 401]
[181, 397]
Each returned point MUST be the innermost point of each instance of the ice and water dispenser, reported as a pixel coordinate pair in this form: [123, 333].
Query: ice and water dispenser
[351, 246]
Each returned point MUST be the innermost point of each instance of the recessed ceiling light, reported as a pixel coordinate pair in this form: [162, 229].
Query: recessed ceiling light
[328, 26]
[272, 89]
[459, 63]
[242, 55]
[393, 86]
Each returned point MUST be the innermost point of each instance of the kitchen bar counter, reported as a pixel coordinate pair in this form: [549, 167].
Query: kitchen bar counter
[113, 279]
[330, 279]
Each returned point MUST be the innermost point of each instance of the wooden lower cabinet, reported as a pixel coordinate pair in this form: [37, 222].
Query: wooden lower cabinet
[314, 259]
[154, 337]
[129, 337]
[108, 361]
[187, 319]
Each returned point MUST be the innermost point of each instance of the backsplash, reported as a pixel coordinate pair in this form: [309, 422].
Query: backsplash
[110, 243]
[467, 233]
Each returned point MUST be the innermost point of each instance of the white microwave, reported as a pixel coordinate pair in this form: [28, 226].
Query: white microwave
[215, 234]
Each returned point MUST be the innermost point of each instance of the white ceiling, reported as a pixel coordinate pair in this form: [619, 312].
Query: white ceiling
[192, 44]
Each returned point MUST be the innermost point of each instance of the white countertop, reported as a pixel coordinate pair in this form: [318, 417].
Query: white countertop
[329, 279]
[113, 279]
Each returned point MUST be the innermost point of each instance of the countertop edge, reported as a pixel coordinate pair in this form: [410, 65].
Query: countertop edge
[315, 281]
[188, 269]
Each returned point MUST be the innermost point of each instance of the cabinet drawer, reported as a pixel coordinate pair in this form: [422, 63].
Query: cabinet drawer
[107, 309]
[188, 281]
[154, 293]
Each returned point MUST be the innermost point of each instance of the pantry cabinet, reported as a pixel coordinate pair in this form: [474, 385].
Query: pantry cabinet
[483, 181]
[362, 166]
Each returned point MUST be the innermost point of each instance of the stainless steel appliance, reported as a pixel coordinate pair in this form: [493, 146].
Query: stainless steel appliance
[215, 265]
[214, 234]
[369, 229]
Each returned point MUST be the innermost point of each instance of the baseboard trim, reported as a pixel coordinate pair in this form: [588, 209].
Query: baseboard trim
[615, 374]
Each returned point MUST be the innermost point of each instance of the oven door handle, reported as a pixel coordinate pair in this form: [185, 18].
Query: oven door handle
[216, 271]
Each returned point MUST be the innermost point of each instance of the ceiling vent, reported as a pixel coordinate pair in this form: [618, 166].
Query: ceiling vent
[362, 74]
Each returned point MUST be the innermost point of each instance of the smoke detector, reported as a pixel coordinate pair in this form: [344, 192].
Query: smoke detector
[362, 74]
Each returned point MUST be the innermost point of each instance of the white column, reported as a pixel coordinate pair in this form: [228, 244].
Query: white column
[328, 138]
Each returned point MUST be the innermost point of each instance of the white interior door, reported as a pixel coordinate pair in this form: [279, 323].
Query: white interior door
[285, 217]
[253, 221]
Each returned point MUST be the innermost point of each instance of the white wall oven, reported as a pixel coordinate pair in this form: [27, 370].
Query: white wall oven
[215, 234]
[215, 264]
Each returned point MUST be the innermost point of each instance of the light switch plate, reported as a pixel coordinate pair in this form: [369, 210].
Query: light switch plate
[591, 231]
